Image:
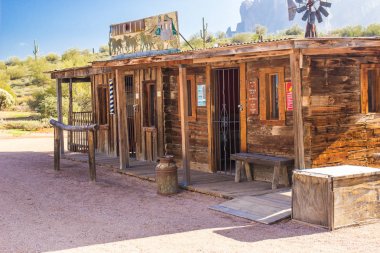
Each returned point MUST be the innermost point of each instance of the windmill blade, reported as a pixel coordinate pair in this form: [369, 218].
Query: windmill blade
[312, 18]
[302, 9]
[325, 4]
[306, 15]
[291, 9]
[319, 16]
[323, 11]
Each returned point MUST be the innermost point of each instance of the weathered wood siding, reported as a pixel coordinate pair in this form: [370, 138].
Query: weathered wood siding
[198, 128]
[337, 130]
[141, 76]
[263, 137]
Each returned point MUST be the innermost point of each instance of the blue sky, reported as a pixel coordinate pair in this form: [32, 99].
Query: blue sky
[58, 25]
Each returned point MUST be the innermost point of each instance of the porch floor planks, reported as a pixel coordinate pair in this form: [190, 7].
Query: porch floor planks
[215, 184]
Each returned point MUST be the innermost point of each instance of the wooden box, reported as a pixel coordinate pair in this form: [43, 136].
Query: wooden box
[335, 197]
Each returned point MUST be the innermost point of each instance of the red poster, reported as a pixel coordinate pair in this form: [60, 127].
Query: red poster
[289, 96]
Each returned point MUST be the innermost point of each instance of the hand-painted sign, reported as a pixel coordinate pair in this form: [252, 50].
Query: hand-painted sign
[253, 98]
[155, 33]
[289, 96]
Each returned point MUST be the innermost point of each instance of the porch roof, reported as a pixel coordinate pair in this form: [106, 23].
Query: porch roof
[231, 52]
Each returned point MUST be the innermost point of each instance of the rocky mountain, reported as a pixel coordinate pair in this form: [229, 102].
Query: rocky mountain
[274, 15]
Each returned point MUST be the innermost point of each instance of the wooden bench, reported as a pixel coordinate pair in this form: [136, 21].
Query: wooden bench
[280, 165]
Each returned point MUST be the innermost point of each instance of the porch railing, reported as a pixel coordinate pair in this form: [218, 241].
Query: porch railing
[77, 141]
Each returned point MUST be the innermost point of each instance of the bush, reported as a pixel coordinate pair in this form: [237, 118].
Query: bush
[243, 38]
[104, 49]
[294, 31]
[3, 66]
[372, 30]
[52, 58]
[6, 99]
[26, 125]
[16, 72]
[13, 61]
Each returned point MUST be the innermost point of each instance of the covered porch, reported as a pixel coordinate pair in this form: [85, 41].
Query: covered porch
[214, 184]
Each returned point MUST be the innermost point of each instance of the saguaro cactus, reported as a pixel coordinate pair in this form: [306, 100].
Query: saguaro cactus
[36, 50]
[204, 32]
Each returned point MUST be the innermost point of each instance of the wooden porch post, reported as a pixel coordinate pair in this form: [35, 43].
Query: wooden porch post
[160, 113]
[70, 116]
[60, 114]
[210, 130]
[243, 108]
[122, 121]
[184, 124]
[299, 150]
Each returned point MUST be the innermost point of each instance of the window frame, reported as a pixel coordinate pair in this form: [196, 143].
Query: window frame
[265, 87]
[193, 98]
[364, 68]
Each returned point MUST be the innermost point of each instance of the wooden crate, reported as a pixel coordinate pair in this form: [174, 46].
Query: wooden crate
[335, 197]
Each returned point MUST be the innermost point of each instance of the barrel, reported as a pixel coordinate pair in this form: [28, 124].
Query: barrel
[166, 176]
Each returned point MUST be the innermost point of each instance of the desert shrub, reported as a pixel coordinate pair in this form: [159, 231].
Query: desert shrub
[13, 61]
[6, 99]
[104, 49]
[243, 38]
[372, 30]
[17, 72]
[294, 31]
[52, 58]
[3, 66]
[26, 125]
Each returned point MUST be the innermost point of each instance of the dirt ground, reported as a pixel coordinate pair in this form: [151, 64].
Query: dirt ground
[46, 211]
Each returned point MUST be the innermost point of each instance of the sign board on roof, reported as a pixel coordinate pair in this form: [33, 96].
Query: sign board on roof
[157, 33]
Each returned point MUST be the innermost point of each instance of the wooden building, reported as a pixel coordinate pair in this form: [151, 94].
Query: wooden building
[315, 100]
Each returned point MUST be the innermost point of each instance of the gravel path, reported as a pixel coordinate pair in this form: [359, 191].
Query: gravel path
[42, 210]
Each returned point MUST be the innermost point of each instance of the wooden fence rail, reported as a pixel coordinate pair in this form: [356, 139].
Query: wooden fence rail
[89, 130]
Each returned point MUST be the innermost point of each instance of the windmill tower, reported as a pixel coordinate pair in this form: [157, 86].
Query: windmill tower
[312, 10]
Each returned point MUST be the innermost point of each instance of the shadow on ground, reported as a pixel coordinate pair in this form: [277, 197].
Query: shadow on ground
[45, 210]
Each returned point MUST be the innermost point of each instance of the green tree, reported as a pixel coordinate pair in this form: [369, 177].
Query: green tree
[261, 31]
[372, 30]
[6, 100]
[294, 31]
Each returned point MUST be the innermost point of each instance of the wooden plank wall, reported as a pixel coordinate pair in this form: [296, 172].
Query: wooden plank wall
[197, 129]
[338, 132]
[264, 137]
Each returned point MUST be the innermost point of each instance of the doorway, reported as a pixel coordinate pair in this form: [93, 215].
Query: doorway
[129, 90]
[226, 118]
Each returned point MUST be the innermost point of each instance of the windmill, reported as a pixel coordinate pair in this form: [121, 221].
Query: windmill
[312, 10]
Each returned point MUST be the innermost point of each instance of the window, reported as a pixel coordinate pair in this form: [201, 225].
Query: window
[102, 102]
[272, 95]
[370, 85]
[192, 101]
[150, 105]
